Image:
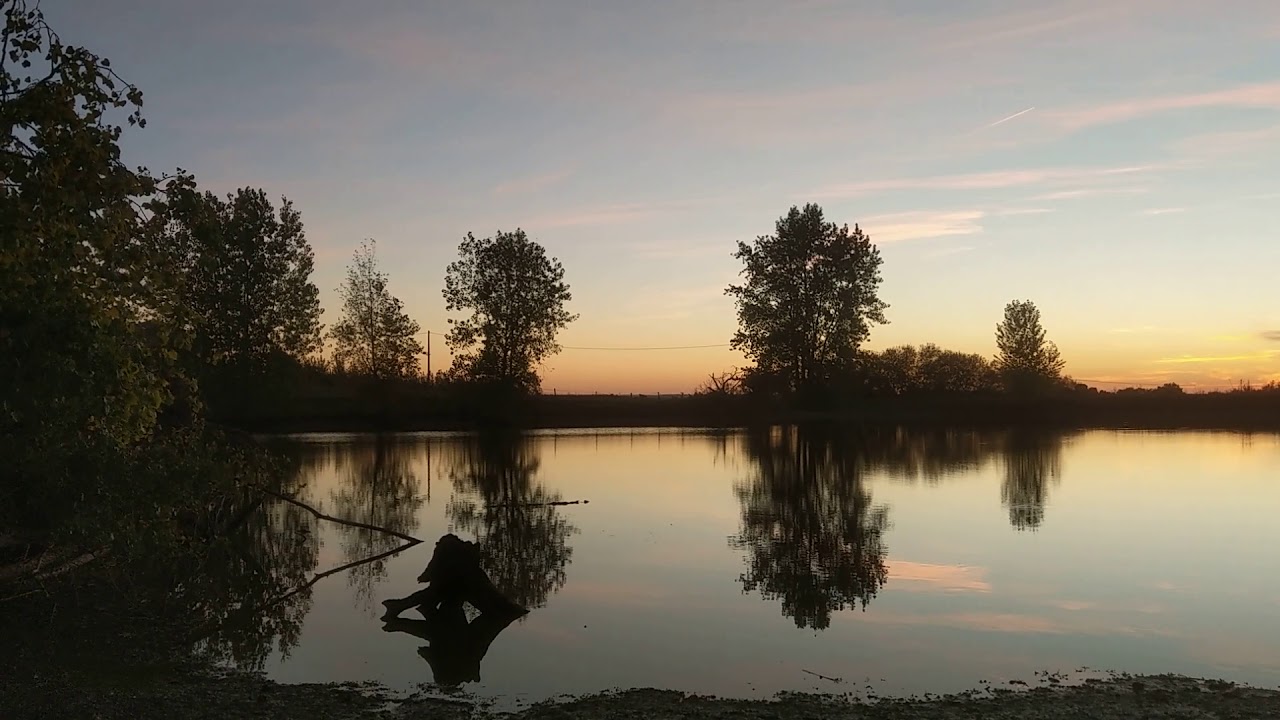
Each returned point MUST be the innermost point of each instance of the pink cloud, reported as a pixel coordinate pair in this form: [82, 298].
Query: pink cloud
[922, 224]
[1258, 95]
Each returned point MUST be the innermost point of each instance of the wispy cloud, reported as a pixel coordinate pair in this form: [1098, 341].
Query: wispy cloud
[1215, 145]
[922, 224]
[600, 215]
[532, 183]
[1254, 357]
[1272, 335]
[1018, 114]
[1015, 212]
[1078, 193]
[1258, 95]
[1163, 211]
[992, 180]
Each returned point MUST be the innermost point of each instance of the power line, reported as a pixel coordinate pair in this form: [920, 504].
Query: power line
[580, 347]
[668, 347]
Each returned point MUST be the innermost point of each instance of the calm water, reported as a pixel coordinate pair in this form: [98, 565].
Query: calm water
[733, 563]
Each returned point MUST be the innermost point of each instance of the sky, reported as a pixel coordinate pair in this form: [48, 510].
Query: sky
[1117, 163]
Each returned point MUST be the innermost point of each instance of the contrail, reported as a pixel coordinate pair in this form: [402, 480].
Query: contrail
[1015, 115]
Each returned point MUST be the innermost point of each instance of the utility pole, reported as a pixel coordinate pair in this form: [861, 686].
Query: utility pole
[429, 356]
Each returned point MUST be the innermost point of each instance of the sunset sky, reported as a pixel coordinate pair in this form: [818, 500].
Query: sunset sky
[1116, 162]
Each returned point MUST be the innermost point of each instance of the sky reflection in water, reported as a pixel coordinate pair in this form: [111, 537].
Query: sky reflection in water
[729, 563]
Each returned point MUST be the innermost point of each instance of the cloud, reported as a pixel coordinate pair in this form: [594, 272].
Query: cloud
[1163, 211]
[922, 224]
[594, 216]
[992, 180]
[1272, 335]
[1090, 192]
[1215, 145]
[950, 578]
[530, 184]
[1265, 355]
[1014, 212]
[1258, 95]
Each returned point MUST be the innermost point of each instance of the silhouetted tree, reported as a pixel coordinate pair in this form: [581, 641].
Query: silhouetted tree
[379, 487]
[814, 540]
[1032, 460]
[374, 337]
[245, 272]
[523, 539]
[1026, 360]
[515, 295]
[808, 299]
[927, 369]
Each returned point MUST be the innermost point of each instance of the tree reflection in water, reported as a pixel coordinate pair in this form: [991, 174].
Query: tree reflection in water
[497, 500]
[378, 487]
[1032, 460]
[813, 538]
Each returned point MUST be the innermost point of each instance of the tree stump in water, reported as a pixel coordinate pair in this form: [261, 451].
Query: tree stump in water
[454, 576]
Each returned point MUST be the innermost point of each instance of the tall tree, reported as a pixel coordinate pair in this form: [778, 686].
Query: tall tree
[77, 285]
[515, 295]
[809, 297]
[246, 276]
[1026, 361]
[374, 336]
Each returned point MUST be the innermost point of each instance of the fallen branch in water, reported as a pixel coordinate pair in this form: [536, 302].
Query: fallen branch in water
[340, 521]
[333, 571]
[542, 504]
[820, 675]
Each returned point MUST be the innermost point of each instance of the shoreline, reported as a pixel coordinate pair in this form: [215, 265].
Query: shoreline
[231, 694]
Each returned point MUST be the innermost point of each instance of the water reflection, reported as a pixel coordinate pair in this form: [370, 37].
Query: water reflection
[813, 538]
[378, 487]
[1032, 460]
[498, 500]
[245, 593]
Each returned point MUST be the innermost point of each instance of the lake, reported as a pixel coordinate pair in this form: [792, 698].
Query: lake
[746, 563]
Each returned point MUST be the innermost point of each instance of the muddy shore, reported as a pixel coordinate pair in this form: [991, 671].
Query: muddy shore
[200, 696]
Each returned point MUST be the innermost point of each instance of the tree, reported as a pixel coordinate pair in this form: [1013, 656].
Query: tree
[809, 297]
[1026, 361]
[515, 295]
[245, 273]
[374, 336]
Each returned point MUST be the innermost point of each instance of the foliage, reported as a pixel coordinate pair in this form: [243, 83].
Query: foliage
[245, 276]
[927, 369]
[515, 295]
[86, 352]
[809, 298]
[374, 337]
[1026, 361]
